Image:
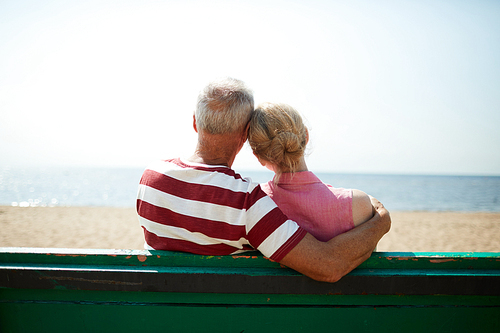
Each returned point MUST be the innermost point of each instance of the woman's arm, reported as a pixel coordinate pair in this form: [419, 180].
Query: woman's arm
[362, 209]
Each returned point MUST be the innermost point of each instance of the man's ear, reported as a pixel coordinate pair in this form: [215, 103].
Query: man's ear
[247, 127]
[244, 134]
[307, 136]
[194, 124]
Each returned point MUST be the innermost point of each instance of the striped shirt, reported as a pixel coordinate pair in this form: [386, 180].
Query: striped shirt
[210, 210]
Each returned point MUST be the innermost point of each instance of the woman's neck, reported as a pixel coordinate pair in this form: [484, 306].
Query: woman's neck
[301, 166]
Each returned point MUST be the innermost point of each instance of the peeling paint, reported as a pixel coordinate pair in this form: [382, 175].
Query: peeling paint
[142, 258]
[245, 257]
[405, 258]
[271, 260]
[437, 261]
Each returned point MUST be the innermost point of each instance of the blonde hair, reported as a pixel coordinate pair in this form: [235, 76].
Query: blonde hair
[224, 106]
[278, 135]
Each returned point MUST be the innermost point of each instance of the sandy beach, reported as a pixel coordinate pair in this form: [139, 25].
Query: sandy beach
[118, 228]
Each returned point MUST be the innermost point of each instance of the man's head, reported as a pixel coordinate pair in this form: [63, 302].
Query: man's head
[224, 106]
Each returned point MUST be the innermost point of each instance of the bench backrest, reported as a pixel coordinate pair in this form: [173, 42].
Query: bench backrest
[122, 290]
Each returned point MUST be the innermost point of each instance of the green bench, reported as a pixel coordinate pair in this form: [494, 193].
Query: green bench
[70, 290]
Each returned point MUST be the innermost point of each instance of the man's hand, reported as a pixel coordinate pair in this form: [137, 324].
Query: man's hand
[384, 213]
[375, 203]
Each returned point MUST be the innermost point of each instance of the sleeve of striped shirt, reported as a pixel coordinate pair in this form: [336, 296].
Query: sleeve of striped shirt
[273, 234]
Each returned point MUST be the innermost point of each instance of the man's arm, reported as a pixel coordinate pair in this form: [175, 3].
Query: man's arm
[330, 261]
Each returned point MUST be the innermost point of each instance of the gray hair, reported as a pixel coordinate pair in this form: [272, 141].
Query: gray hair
[224, 106]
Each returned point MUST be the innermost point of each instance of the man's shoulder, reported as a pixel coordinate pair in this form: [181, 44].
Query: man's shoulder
[202, 174]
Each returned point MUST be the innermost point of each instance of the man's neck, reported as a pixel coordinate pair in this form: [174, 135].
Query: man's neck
[218, 149]
[198, 157]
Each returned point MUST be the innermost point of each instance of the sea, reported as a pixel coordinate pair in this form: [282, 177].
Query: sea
[117, 187]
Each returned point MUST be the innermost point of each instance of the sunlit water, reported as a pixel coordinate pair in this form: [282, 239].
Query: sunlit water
[118, 187]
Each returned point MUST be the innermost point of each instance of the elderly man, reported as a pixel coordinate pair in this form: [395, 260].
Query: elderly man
[200, 205]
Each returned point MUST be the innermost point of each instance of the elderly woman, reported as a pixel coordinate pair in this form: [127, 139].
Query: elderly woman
[278, 138]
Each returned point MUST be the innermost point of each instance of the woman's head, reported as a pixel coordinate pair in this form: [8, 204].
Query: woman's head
[278, 136]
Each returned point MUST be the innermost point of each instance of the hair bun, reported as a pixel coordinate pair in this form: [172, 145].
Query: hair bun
[289, 141]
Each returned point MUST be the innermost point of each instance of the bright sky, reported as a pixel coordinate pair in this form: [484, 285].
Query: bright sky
[386, 86]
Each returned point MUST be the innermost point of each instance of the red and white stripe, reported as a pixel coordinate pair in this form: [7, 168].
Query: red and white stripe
[210, 210]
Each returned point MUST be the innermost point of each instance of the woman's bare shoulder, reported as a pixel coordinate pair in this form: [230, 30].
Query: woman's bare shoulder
[362, 209]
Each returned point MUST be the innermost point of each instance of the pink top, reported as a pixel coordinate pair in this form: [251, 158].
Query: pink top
[322, 210]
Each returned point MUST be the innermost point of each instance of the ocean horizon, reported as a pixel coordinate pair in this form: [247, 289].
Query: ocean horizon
[117, 187]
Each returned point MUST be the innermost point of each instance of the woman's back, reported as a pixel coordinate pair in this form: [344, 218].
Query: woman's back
[322, 210]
